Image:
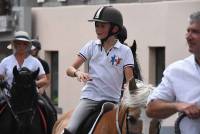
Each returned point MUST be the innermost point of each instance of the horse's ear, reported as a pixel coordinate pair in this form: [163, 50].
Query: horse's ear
[134, 47]
[15, 71]
[35, 73]
[132, 85]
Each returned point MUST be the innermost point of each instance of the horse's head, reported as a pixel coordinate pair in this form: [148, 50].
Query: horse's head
[24, 76]
[21, 114]
[23, 90]
[133, 101]
[137, 97]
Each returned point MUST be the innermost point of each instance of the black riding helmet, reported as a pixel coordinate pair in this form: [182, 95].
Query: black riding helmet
[108, 14]
[36, 44]
[111, 15]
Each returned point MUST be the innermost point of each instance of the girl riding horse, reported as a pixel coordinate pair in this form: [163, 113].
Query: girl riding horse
[108, 61]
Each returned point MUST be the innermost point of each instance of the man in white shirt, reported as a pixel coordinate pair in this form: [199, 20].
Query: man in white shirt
[179, 90]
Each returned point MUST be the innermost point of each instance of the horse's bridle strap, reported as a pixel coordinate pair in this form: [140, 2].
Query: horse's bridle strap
[117, 121]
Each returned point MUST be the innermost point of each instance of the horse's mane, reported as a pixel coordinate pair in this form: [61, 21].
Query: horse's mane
[24, 70]
[138, 97]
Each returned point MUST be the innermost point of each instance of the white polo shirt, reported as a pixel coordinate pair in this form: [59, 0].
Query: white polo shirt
[8, 63]
[106, 70]
[181, 83]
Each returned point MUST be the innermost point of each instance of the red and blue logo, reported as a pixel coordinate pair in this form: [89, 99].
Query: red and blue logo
[115, 60]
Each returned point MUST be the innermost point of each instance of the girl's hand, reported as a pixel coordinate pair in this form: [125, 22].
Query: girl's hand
[82, 77]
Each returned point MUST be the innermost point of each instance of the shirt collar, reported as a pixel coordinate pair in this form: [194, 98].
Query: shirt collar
[117, 44]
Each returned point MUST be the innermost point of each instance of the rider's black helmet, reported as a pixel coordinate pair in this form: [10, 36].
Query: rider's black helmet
[108, 14]
[36, 44]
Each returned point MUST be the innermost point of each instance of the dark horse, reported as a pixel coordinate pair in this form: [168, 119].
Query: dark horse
[21, 113]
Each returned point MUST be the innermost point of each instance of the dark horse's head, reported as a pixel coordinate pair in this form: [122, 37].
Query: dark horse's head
[23, 99]
[23, 92]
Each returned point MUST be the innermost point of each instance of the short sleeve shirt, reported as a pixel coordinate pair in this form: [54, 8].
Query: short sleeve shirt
[106, 70]
[181, 83]
[45, 65]
[8, 63]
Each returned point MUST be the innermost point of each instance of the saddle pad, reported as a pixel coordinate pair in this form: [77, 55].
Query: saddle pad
[107, 106]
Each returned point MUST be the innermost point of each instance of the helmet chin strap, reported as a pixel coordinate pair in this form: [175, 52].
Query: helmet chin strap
[110, 33]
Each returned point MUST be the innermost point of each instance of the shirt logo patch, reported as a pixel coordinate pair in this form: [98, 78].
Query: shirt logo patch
[115, 60]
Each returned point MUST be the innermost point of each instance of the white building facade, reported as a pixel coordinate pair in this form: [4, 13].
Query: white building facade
[64, 30]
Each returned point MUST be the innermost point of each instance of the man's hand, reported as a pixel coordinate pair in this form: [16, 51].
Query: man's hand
[41, 90]
[191, 110]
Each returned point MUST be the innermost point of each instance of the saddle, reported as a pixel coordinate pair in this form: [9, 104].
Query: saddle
[89, 124]
[47, 113]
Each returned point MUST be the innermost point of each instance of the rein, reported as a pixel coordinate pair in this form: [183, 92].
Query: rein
[25, 111]
[177, 123]
[9, 105]
[119, 124]
[117, 121]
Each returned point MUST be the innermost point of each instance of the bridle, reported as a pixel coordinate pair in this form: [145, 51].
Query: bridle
[123, 121]
[16, 114]
[28, 110]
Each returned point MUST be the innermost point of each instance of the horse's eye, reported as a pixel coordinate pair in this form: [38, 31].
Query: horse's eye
[131, 119]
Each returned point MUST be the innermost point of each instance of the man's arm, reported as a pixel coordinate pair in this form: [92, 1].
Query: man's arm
[41, 83]
[162, 109]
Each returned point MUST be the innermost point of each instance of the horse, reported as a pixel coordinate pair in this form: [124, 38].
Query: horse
[20, 113]
[122, 118]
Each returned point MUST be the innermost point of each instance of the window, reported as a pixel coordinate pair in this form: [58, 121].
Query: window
[54, 76]
[156, 64]
[40, 1]
[5, 7]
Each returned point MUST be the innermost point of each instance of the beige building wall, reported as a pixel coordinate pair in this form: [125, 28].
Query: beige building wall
[66, 30]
